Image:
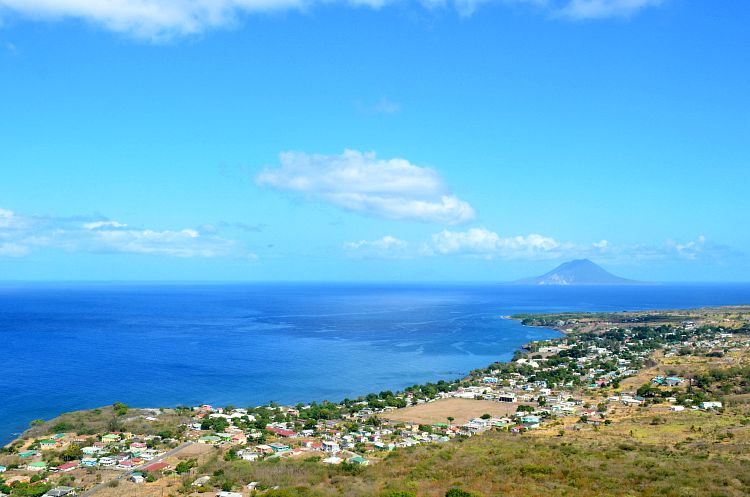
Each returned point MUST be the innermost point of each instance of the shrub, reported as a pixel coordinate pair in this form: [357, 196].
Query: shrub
[457, 492]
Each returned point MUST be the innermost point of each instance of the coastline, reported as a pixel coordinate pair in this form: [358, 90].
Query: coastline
[563, 328]
[457, 380]
[607, 373]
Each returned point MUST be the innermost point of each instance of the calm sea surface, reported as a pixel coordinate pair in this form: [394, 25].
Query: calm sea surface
[80, 346]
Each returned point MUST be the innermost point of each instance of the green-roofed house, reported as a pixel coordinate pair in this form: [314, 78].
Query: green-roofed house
[37, 466]
[111, 438]
[28, 453]
[360, 461]
[209, 439]
[58, 436]
[47, 444]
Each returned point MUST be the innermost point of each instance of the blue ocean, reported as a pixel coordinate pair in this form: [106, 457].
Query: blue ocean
[77, 346]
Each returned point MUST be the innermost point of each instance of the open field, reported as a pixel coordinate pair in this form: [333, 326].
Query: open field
[462, 410]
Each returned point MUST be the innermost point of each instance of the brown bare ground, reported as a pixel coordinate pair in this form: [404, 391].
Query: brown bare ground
[462, 410]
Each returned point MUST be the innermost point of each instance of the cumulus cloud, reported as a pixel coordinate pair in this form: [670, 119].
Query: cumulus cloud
[480, 241]
[21, 234]
[387, 247]
[155, 19]
[360, 182]
[487, 244]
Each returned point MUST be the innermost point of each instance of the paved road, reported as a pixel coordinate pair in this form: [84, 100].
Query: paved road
[103, 484]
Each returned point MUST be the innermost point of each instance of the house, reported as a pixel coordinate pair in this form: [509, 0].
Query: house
[47, 444]
[282, 432]
[37, 466]
[669, 381]
[107, 462]
[88, 462]
[68, 466]
[359, 461]
[3, 469]
[60, 492]
[247, 455]
[331, 447]
[229, 494]
[506, 397]
[157, 466]
[677, 408]
[209, 439]
[137, 477]
[111, 438]
[332, 460]
[279, 447]
[710, 405]
[28, 453]
[148, 454]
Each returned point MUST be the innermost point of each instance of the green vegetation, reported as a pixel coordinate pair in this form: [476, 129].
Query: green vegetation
[630, 460]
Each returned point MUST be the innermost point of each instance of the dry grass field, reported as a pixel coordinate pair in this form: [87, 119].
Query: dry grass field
[462, 410]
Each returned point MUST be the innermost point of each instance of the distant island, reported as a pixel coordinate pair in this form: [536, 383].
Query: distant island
[577, 272]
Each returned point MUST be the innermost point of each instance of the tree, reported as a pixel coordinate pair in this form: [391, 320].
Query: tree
[451, 419]
[72, 452]
[120, 409]
[185, 466]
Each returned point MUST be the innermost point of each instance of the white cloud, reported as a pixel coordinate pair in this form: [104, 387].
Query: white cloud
[20, 234]
[387, 247]
[486, 244]
[482, 242]
[360, 182]
[156, 19]
[602, 9]
[103, 224]
[12, 249]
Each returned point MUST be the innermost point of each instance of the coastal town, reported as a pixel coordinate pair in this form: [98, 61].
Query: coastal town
[603, 369]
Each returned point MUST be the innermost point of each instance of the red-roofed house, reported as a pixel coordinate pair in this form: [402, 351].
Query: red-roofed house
[68, 466]
[282, 432]
[157, 466]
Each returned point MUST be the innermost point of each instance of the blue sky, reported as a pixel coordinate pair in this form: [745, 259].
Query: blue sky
[373, 140]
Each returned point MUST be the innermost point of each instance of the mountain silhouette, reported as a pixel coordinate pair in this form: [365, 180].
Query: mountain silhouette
[577, 272]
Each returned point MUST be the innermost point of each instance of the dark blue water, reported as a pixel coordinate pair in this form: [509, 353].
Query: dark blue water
[80, 346]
